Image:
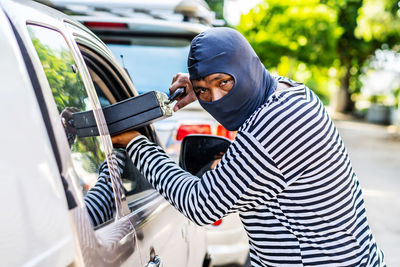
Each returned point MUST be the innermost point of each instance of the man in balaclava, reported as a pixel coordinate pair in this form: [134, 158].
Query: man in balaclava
[287, 173]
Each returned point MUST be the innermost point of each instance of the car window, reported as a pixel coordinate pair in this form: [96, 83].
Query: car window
[69, 95]
[106, 81]
[151, 61]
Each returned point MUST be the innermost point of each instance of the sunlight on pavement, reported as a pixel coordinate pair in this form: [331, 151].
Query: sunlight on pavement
[377, 193]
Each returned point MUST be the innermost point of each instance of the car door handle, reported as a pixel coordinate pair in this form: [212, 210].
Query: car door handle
[185, 230]
[156, 262]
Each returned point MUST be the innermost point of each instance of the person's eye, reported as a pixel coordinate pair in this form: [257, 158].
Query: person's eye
[224, 83]
[201, 90]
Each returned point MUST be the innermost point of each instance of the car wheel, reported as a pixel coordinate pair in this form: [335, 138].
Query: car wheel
[207, 262]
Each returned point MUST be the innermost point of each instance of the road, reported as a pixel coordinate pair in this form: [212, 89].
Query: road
[375, 156]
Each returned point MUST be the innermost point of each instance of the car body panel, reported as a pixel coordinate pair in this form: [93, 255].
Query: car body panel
[149, 212]
[95, 251]
[40, 168]
[228, 242]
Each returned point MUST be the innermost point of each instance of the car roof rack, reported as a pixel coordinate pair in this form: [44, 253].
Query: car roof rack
[196, 11]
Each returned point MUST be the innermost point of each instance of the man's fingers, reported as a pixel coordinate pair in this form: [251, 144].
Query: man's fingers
[176, 85]
[183, 101]
[178, 81]
[174, 78]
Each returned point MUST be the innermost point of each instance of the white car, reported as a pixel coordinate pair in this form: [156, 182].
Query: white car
[49, 62]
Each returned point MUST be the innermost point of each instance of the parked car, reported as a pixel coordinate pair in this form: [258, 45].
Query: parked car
[151, 39]
[49, 62]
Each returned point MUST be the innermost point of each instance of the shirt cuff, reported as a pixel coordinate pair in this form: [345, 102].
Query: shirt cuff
[136, 141]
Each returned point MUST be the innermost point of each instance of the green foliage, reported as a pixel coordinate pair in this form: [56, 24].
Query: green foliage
[323, 43]
[396, 94]
[297, 39]
[67, 88]
[217, 6]
[379, 20]
[368, 25]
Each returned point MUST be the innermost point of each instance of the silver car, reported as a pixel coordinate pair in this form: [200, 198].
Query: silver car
[50, 62]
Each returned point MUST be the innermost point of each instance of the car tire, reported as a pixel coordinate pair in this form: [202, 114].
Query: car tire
[207, 262]
[248, 262]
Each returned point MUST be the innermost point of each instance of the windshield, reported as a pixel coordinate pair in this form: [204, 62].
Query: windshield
[151, 61]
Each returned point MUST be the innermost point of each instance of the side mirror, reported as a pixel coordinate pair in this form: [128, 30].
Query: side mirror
[200, 151]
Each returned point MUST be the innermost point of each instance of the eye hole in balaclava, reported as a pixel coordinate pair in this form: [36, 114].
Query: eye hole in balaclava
[213, 87]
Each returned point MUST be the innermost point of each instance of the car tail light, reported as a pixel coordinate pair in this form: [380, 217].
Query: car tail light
[216, 223]
[221, 131]
[186, 129]
[86, 187]
[110, 25]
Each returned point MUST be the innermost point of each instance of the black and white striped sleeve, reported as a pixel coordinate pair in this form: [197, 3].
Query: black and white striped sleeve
[244, 178]
[99, 200]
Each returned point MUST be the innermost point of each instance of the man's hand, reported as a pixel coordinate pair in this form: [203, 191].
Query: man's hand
[122, 139]
[66, 120]
[182, 80]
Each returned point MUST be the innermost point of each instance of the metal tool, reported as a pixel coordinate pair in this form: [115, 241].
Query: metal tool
[127, 114]
[178, 92]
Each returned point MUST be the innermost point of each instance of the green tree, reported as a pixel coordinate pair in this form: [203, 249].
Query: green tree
[297, 39]
[217, 6]
[333, 38]
[353, 51]
[68, 91]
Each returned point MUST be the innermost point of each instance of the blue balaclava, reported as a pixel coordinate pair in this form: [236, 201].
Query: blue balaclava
[225, 50]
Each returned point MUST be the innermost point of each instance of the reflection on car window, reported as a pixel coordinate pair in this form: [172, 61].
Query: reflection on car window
[134, 183]
[104, 102]
[68, 92]
[152, 62]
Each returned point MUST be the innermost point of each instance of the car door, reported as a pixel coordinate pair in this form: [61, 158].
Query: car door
[61, 77]
[162, 231]
[29, 194]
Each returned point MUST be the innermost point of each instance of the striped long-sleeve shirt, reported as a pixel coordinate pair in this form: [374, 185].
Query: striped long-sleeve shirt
[288, 175]
[99, 200]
